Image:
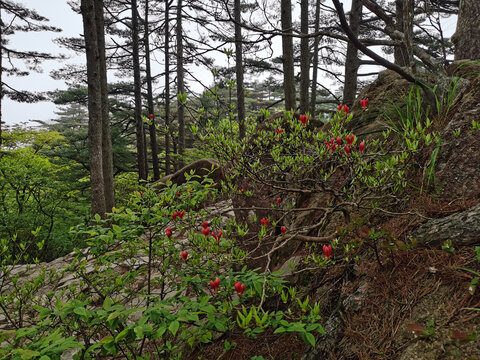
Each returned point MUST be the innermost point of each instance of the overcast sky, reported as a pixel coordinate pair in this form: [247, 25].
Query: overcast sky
[61, 15]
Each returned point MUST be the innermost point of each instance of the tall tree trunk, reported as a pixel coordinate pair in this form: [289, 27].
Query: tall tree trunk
[239, 70]
[467, 34]
[403, 54]
[140, 130]
[304, 58]
[107, 152]
[287, 48]
[151, 127]
[167, 88]
[313, 99]
[1, 73]
[180, 88]
[94, 107]
[352, 62]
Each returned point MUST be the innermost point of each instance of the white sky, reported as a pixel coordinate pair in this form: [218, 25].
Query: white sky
[60, 15]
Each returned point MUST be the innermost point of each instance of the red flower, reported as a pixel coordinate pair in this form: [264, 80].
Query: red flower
[344, 108]
[181, 213]
[206, 231]
[205, 224]
[350, 139]
[364, 103]
[178, 193]
[304, 119]
[184, 255]
[339, 141]
[215, 284]
[217, 236]
[168, 231]
[361, 147]
[327, 250]
[347, 149]
[283, 229]
[242, 191]
[141, 193]
[240, 288]
[174, 215]
[279, 201]
[279, 131]
[264, 222]
[150, 116]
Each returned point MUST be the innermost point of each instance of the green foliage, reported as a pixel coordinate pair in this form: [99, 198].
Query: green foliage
[37, 205]
[174, 305]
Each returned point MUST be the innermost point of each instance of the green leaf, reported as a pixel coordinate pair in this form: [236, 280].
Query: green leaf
[122, 335]
[139, 332]
[174, 326]
[81, 311]
[310, 338]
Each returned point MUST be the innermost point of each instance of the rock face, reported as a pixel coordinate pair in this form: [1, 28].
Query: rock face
[458, 162]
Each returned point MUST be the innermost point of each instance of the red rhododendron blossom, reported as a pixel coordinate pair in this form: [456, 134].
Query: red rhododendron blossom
[340, 107]
[240, 288]
[206, 231]
[150, 116]
[181, 213]
[283, 229]
[178, 193]
[350, 139]
[184, 255]
[364, 103]
[168, 231]
[141, 193]
[174, 215]
[327, 250]
[361, 147]
[215, 284]
[339, 141]
[346, 109]
[218, 236]
[347, 149]
[279, 201]
[205, 224]
[264, 222]
[279, 131]
[304, 119]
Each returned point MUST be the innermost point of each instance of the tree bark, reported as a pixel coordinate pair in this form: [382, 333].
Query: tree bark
[167, 88]
[467, 34]
[1, 73]
[180, 87]
[313, 99]
[352, 62]
[107, 151]
[239, 70]
[94, 107]
[403, 54]
[287, 47]
[304, 58]
[140, 130]
[151, 127]
[462, 228]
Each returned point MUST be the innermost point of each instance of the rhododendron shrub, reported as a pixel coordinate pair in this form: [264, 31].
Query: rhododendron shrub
[348, 170]
[152, 281]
